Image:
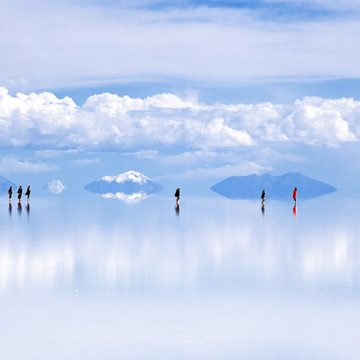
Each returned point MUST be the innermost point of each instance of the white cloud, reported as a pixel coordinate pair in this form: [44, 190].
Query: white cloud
[62, 43]
[244, 168]
[143, 154]
[55, 186]
[112, 105]
[52, 154]
[110, 122]
[163, 121]
[321, 4]
[86, 162]
[316, 121]
[193, 157]
[12, 165]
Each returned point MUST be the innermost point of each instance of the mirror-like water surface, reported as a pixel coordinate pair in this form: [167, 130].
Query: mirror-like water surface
[215, 279]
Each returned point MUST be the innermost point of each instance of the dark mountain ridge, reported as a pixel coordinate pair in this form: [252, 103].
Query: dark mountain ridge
[276, 187]
[5, 184]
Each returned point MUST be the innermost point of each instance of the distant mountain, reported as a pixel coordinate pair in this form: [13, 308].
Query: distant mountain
[276, 187]
[5, 184]
[130, 186]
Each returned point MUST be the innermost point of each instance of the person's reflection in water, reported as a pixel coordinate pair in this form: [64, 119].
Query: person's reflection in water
[294, 211]
[177, 209]
[10, 209]
[19, 208]
[27, 209]
[263, 209]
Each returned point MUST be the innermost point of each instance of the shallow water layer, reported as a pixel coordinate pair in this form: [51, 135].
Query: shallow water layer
[219, 279]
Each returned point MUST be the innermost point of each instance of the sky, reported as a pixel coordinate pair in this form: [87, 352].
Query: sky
[188, 92]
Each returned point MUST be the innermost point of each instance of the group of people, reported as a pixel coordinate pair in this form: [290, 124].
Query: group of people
[19, 193]
[294, 195]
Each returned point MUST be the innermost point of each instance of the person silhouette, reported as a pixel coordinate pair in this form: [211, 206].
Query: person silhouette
[295, 193]
[263, 209]
[177, 195]
[19, 192]
[10, 209]
[27, 193]
[263, 197]
[19, 208]
[10, 192]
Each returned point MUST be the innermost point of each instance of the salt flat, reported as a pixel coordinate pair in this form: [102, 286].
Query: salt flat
[96, 278]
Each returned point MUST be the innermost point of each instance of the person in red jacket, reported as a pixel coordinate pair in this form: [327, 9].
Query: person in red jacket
[295, 194]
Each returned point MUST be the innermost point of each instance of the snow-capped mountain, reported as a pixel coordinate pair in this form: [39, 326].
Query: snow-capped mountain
[131, 186]
[132, 176]
[5, 184]
[276, 187]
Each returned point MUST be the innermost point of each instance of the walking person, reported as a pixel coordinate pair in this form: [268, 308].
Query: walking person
[295, 193]
[263, 197]
[10, 192]
[19, 193]
[27, 193]
[177, 196]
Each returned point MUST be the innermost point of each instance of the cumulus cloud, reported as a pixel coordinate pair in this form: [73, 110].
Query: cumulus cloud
[120, 123]
[55, 186]
[12, 165]
[316, 121]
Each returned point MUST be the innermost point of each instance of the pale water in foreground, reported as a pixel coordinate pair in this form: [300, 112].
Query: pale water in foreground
[99, 279]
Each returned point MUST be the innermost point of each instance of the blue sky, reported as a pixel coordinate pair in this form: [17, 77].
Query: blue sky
[208, 88]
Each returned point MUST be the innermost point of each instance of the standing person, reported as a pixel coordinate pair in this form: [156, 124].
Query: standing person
[177, 195]
[263, 197]
[19, 192]
[27, 193]
[295, 193]
[10, 191]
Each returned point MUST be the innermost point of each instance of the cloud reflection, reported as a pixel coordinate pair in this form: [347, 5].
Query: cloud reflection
[206, 253]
